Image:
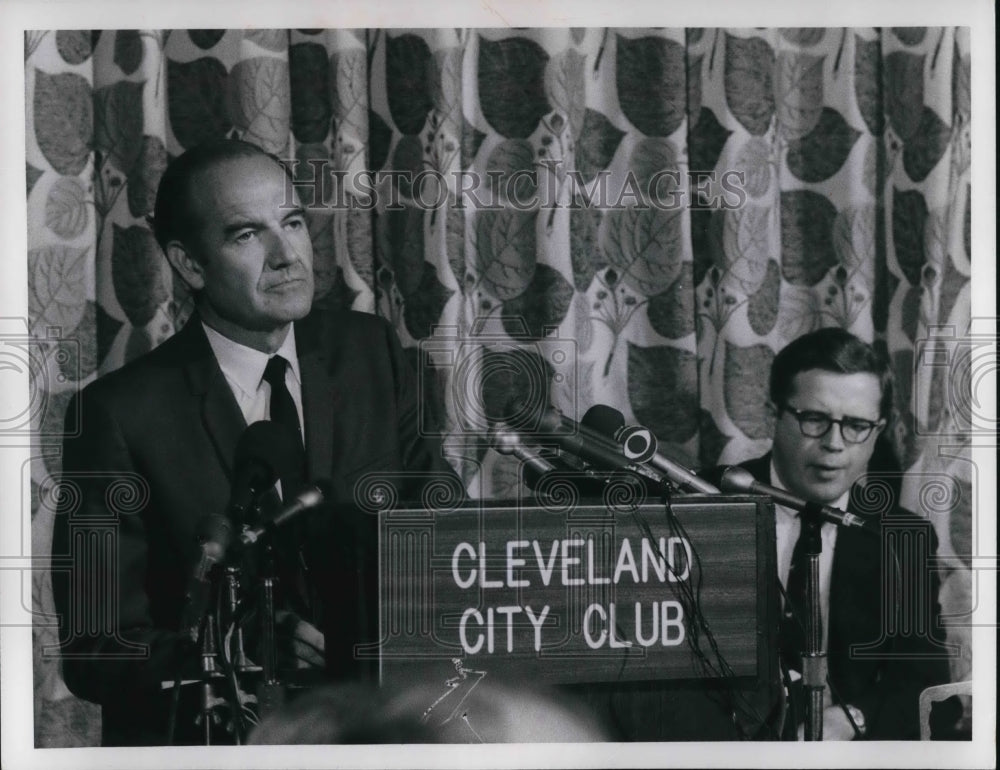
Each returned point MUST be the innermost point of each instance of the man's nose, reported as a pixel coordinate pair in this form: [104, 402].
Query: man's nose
[834, 438]
[280, 249]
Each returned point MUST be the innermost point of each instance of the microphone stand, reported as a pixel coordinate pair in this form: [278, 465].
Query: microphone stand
[813, 657]
[209, 671]
[212, 669]
[241, 663]
[203, 639]
[270, 693]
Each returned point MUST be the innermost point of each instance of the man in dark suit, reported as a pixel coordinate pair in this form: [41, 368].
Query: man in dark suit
[832, 395]
[167, 426]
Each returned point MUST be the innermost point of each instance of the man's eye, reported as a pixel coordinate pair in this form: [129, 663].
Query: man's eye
[816, 418]
[858, 425]
[296, 224]
[245, 236]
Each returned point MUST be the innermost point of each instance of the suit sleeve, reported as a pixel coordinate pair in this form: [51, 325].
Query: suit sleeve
[916, 657]
[109, 644]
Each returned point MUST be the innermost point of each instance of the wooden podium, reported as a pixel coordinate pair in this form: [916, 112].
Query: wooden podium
[662, 618]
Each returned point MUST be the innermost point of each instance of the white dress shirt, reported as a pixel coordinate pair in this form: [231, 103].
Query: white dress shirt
[787, 526]
[243, 368]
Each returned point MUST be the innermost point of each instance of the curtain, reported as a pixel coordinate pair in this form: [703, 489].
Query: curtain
[634, 217]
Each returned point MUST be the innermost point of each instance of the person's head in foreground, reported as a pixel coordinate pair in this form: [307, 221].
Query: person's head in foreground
[359, 714]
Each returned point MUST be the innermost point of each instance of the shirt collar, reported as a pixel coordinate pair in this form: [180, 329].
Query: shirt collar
[840, 503]
[244, 366]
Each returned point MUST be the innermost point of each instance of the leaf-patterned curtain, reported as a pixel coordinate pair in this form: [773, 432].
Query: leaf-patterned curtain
[841, 155]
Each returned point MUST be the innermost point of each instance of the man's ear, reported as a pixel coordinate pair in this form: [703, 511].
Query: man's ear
[186, 264]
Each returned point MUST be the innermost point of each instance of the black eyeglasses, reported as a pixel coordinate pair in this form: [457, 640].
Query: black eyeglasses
[817, 424]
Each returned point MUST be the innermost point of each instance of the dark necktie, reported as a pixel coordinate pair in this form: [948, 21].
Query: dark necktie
[284, 413]
[792, 631]
[796, 614]
[290, 539]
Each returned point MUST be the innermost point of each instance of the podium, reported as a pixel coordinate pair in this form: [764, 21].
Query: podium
[662, 618]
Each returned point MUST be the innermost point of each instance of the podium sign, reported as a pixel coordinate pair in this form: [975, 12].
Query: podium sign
[588, 594]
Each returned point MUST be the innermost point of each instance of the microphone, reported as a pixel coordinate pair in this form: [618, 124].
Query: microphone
[639, 445]
[507, 441]
[587, 444]
[308, 498]
[262, 449]
[604, 419]
[736, 479]
[262, 455]
[217, 534]
[538, 469]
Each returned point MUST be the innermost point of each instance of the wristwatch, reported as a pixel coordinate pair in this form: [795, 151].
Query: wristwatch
[858, 717]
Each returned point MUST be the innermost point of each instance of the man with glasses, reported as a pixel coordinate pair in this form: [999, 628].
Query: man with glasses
[831, 394]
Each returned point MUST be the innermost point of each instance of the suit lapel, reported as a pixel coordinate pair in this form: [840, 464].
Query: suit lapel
[222, 417]
[220, 413]
[318, 404]
[856, 572]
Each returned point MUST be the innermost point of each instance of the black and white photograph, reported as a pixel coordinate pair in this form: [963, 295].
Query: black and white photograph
[487, 386]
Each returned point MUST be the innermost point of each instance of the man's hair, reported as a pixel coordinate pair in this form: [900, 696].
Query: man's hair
[173, 218]
[830, 350]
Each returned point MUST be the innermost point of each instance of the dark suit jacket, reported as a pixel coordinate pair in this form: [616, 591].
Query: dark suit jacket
[167, 424]
[882, 652]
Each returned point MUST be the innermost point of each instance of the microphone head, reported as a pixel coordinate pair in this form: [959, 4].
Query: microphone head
[216, 532]
[267, 451]
[310, 497]
[503, 439]
[736, 479]
[638, 443]
[604, 419]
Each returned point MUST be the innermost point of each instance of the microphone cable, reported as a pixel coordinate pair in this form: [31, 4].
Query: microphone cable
[689, 595]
